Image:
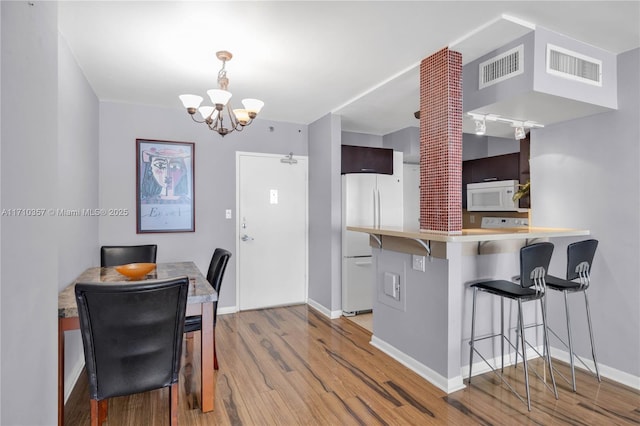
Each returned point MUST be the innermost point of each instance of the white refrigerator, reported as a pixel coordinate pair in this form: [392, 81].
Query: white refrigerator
[372, 200]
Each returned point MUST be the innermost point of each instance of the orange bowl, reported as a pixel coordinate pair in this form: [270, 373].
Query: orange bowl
[136, 270]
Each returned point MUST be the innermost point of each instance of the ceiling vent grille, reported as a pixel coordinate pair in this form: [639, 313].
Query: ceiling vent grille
[502, 67]
[574, 66]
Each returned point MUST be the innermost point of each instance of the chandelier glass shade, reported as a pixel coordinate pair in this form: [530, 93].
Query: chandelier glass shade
[221, 117]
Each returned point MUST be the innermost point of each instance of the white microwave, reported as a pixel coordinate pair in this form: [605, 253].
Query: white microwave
[492, 196]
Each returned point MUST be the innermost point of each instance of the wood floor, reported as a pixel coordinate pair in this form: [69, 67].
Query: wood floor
[293, 366]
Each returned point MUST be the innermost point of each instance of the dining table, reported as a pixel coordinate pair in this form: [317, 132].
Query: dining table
[199, 302]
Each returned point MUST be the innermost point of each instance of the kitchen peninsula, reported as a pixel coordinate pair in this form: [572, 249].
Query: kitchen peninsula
[422, 301]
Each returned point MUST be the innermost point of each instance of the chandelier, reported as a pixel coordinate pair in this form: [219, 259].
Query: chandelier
[214, 116]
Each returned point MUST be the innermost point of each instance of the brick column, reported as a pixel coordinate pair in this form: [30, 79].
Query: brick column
[441, 142]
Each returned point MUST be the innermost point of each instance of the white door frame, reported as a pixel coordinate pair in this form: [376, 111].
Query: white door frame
[237, 233]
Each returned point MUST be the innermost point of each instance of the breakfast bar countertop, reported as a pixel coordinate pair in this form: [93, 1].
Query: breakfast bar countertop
[472, 234]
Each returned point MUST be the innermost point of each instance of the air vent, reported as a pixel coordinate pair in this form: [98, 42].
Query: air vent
[574, 66]
[502, 67]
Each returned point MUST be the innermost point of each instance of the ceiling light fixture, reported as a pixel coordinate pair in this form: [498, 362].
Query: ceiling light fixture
[213, 116]
[519, 133]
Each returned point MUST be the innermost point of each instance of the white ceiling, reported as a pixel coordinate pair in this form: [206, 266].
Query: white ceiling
[306, 59]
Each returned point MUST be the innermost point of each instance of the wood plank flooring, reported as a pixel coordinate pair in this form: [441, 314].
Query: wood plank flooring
[293, 366]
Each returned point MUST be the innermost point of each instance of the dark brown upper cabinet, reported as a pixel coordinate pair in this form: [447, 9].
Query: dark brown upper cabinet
[364, 159]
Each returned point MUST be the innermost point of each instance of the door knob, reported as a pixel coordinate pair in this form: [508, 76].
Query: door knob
[245, 237]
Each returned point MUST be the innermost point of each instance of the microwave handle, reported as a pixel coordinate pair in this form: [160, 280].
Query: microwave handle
[490, 179]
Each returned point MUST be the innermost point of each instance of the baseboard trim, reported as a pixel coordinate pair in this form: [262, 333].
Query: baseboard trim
[73, 378]
[447, 385]
[324, 311]
[605, 371]
[227, 310]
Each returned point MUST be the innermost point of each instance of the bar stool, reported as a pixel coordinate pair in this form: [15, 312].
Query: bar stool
[534, 263]
[579, 260]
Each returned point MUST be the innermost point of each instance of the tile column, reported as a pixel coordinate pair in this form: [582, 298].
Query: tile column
[441, 142]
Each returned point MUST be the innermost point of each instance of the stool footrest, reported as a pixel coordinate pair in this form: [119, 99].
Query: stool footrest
[500, 375]
[595, 374]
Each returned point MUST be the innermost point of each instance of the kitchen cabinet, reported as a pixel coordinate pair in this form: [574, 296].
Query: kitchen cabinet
[363, 159]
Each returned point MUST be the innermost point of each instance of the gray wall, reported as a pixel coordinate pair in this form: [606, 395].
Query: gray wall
[29, 179]
[474, 146]
[78, 187]
[500, 146]
[361, 139]
[325, 212]
[585, 174]
[405, 324]
[407, 141]
[215, 175]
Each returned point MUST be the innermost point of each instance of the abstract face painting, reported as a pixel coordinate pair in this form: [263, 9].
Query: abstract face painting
[168, 169]
[165, 186]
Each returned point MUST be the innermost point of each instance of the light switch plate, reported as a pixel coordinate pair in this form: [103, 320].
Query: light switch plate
[418, 263]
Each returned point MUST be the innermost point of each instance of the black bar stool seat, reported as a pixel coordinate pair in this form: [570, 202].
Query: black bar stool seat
[508, 289]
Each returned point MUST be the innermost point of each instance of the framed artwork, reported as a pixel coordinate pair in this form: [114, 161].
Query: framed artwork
[165, 196]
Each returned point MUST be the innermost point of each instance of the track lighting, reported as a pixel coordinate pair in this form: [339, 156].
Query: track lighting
[520, 126]
[481, 127]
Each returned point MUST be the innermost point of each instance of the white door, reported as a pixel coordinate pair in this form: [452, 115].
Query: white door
[272, 231]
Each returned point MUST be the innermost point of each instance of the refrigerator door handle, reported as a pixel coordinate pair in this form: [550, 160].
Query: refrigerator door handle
[375, 216]
[379, 210]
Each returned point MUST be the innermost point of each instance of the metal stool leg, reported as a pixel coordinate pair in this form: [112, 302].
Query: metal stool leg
[570, 337]
[473, 329]
[524, 353]
[502, 333]
[543, 306]
[593, 345]
[515, 364]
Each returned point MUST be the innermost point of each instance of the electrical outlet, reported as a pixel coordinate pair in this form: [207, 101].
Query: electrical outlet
[418, 263]
[227, 214]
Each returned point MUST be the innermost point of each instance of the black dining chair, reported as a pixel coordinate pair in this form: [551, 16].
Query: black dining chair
[122, 255]
[215, 274]
[534, 264]
[579, 260]
[132, 338]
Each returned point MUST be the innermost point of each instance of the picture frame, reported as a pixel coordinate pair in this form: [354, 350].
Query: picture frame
[165, 186]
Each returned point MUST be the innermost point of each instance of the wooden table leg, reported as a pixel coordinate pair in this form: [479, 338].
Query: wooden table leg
[206, 357]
